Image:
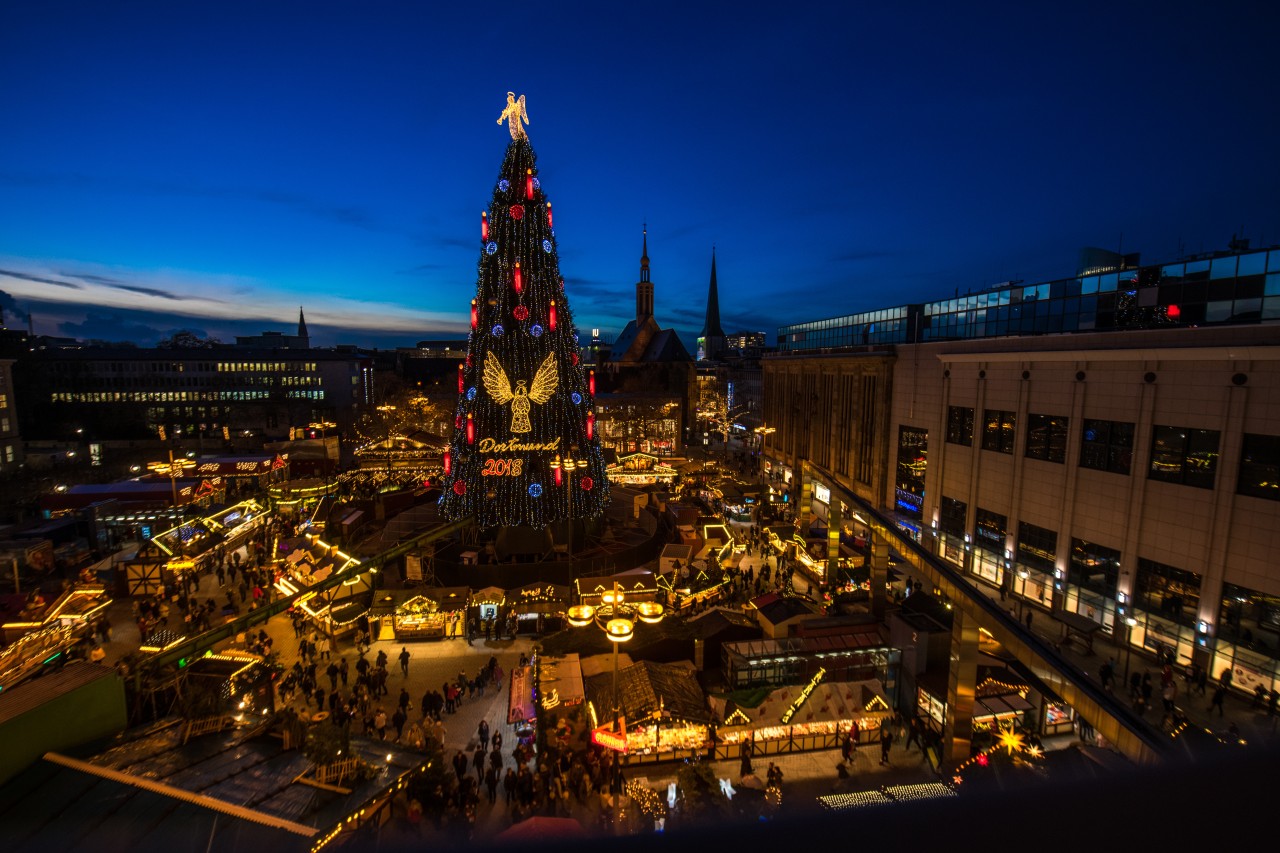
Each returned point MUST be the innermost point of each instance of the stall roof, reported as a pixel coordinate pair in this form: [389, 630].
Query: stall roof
[792, 646]
[235, 790]
[564, 677]
[640, 686]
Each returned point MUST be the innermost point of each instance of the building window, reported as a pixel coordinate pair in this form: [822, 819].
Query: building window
[954, 516]
[998, 431]
[1091, 581]
[1168, 592]
[1186, 456]
[1037, 547]
[1107, 446]
[992, 530]
[960, 425]
[1047, 438]
[913, 456]
[1260, 467]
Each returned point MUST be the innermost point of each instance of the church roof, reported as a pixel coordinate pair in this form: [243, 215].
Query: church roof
[666, 346]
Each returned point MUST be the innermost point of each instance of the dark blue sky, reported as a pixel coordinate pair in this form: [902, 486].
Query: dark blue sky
[212, 166]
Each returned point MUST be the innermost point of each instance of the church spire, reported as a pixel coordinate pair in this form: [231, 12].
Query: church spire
[711, 328]
[302, 324]
[644, 287]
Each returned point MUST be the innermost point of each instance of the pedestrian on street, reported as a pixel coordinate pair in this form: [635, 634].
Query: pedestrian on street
[1219, 694]
[886, 741]
[482, 731]
[404, 660]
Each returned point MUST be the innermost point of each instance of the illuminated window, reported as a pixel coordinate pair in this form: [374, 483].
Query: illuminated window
[998, 431]
[1186, 456]
[960, 425]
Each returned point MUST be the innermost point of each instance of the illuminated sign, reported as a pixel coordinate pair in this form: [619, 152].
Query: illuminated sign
[821, 493]
[804, 695]
[617, 741]
[502, 468]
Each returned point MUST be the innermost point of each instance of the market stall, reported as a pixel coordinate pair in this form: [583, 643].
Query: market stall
[665, 710]
[815, 708]
[486, 604]
[431, 614]
[198, 539]
[539, 606]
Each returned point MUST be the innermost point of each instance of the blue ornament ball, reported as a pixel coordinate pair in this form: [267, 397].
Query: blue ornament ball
[498, 330]
[490, 248]
[537, 185]
[504, 185]
[576, 398]
[471, 393]
[536, 331]
[535, 490]
[546, 246]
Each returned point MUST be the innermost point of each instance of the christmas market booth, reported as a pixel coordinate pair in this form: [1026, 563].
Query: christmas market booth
[195, 542]
[701, 583]
[1001, 702]
[818, 714]
[487, 603]
[308, 560]
[539, 607]
[640, 469]
[663, 713]
[430, 614]
[636, 585]
[76, 610]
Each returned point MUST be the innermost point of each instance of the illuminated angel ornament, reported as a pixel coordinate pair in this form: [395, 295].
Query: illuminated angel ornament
[544, 384]
[513, 114]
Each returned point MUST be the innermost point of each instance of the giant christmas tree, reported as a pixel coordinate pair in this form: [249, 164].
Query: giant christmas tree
[524, 450]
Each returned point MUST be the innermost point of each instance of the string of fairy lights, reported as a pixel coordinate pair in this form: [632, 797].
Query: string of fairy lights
[524, 448]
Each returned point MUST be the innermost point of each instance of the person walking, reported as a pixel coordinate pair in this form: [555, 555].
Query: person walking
[886, 741]
[1219, 694]
[380, 724]
[491, 784]
[482, 731]
[404, 660]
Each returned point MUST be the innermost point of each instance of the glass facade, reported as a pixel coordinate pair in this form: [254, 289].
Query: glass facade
[1047, 438]
[1035, 555]
[1230, 288]
[1248, 638]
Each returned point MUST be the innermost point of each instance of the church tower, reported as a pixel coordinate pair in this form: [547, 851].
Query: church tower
[711, 341]
[644, 287]
[302, 328]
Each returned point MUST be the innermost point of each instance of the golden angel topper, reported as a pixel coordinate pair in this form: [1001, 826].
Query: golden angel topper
[545, 382]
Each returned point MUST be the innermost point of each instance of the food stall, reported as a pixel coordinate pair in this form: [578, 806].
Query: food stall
[487, 603]
[665, 710]
[197, 539]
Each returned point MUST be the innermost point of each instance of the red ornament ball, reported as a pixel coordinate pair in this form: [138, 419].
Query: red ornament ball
[587, 483]
[459, 487]
[517, 211]
[521, 313]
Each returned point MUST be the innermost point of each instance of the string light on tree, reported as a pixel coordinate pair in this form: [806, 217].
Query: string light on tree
[532, 400]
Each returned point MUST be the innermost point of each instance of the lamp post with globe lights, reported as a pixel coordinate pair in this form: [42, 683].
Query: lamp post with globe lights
[617, 618]
[566, 467]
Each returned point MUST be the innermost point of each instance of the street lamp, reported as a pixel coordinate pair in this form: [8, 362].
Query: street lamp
[617, 618]
[322, 426]
[567, 467]
[173, 469]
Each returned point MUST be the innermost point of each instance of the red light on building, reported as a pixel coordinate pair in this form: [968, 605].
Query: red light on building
[1174, 312]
